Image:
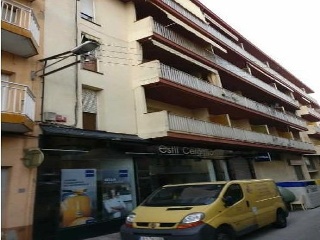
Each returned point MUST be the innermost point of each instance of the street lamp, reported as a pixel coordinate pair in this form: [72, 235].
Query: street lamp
[83, 48]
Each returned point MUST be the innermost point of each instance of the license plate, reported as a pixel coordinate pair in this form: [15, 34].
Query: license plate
[151, 238]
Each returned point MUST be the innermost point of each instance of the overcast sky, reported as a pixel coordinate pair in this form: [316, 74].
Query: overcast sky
[286, 30]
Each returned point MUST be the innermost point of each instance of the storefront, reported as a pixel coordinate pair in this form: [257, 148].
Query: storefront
[90, 180]
[85, 186]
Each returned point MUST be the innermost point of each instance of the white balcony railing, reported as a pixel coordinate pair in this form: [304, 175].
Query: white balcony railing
[176, 38]
[190, 81]
[193, 126]
[20, 15]
[17, 99]
[234, 46]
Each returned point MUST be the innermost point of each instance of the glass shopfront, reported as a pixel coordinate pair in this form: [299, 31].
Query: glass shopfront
[87, 186]
[83, 189]
[153, 173]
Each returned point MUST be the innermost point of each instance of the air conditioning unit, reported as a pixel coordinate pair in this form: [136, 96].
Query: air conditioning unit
[49, 116]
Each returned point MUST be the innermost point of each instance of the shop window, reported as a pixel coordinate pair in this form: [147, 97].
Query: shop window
[87, 9]
[89, 109]
[89, 61]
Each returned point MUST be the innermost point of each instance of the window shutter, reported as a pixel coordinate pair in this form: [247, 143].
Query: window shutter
[89, 101]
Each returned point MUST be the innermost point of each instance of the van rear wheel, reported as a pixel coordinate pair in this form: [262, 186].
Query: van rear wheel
[225, 233]
[281, 221]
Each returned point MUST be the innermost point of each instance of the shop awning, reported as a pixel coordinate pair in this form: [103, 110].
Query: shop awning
[60, 130]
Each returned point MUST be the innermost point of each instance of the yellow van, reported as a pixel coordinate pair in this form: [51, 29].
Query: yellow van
[206, 211]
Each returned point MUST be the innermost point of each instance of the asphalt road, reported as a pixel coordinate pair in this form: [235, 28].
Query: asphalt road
[302, 225]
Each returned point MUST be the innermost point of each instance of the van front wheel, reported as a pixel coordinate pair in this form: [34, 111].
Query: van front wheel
[281, 221]
[225, 233]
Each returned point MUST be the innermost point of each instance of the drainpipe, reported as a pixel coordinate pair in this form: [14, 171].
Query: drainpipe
[77, 69]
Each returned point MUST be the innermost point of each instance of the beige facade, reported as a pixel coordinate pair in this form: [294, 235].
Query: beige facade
[21, 37]
[170, 72]
[154, 79]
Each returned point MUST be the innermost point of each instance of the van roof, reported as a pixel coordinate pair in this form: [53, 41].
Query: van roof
[220, 182]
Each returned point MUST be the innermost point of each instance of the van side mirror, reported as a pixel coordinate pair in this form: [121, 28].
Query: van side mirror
[228, 201]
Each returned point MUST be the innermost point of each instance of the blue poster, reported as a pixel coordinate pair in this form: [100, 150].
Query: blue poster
[78, 197]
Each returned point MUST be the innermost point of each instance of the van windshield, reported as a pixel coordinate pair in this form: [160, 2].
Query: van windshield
[185, 195]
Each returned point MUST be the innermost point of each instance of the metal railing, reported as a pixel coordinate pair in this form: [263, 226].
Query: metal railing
[193, 126]
[20, 15]
[188, 80]
[17, 98]
[233, 45]
[176, 38]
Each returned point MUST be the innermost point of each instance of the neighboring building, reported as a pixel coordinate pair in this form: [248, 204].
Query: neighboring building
[173, 94]
[21, 34]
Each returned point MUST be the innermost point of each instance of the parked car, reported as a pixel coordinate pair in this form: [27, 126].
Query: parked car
[206, 211]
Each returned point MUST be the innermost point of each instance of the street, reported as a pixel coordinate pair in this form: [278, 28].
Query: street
[302, 225]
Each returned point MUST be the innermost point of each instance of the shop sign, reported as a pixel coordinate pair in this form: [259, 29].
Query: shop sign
[188, 151]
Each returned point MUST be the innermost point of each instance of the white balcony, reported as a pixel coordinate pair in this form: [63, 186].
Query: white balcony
[17, 107]
[164, 124]
[19, 29]
[151, 72]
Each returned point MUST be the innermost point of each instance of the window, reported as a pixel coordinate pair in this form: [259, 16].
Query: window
[234, 192]
[4, 91]
[310, 164]
[89, 109]
[298, 171]
[87, 9]
[90, 60]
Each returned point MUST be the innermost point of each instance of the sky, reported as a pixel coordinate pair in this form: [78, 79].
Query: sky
[288, 31]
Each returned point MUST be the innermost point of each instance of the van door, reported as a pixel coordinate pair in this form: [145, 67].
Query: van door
[238, 210]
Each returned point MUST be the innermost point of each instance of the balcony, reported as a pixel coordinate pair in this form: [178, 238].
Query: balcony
[146, 28]
[314, 131]
[17, 108]
[310, 114]
[19, 29]
[219, 100]
[166, 125]
[173, 7]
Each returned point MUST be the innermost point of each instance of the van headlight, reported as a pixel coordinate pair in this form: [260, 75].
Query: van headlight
[130, 219]
[191, 220]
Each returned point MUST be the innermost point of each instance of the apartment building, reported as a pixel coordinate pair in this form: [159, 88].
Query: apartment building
[172, 94]
[21, 34]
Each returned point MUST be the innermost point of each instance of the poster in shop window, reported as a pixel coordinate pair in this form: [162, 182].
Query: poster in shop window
[117, 197]
[78, 197]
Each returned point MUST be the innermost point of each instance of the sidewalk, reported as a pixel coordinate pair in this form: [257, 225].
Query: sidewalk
[114, 236]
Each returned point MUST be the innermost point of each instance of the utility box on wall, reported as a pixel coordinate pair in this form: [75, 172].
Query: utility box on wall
[49, 116]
